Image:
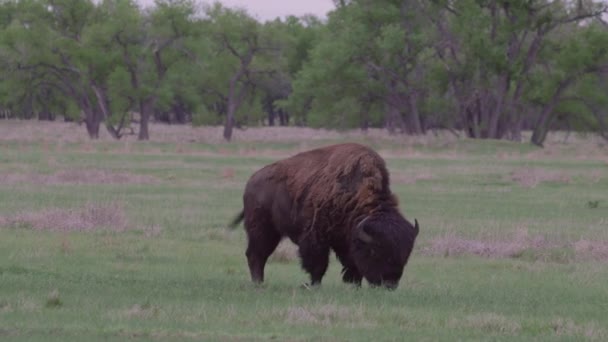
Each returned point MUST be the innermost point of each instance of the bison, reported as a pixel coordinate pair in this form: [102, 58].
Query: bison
[335, 197]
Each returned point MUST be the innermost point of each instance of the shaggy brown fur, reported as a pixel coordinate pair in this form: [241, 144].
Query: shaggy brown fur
[336, 197]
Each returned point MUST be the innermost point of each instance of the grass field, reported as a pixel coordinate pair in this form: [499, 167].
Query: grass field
[122, 240]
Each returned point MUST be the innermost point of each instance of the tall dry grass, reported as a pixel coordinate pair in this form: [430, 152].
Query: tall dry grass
[76, 176]
[32, 130]
[92, 216]
[521, 243]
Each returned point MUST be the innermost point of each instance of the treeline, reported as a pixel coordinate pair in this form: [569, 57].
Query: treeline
[488, 68]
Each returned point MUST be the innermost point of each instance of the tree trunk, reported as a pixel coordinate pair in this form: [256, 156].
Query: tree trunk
[414, 123]
[541, 128]
[103, 112]
[145, 108]
[473, 118]
[365, 116]
[92, 125]
[271, 116]
[231, 108]
[540, 131]
[234, 102]
[394, 120]
[180, 112]
[268, 107]
[494, 132]
[229, 123]
[91, 117]
[283, 118]
[515, 128]
[143, 134]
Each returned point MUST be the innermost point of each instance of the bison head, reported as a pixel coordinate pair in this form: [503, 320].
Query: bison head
[381, 247]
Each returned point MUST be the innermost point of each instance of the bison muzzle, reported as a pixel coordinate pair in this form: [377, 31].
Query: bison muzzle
[332, 198]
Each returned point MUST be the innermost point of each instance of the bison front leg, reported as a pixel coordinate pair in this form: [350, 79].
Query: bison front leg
[350, 273]
[315, 259]
[351, 276]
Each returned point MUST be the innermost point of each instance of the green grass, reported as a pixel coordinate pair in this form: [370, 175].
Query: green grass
[177, 274]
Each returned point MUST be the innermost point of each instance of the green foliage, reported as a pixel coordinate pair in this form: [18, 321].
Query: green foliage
[203, 116]
[490, 68]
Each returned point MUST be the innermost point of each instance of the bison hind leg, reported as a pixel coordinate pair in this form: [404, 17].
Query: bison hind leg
[263, 240]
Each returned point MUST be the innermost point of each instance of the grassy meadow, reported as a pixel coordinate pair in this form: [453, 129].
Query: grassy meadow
[126, 240]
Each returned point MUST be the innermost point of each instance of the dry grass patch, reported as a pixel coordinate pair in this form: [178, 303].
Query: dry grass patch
[145, 311]
[102, 176]
[411, 177]
[595, 176]
[531, 177]
[20, 304]
[568, 327]
[217, 235]
[328, 315]
[75, 176]
[59, 133]
[227, 173]
[110, 216]
[489, 322]
[452, 245]
[5, 307]
[285, 252]
[588, 249]
[151, 231]
[520, 245]
[53, 299]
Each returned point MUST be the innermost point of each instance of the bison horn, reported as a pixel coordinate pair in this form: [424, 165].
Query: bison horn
[365, 237]
[416, 227]
[362, 234]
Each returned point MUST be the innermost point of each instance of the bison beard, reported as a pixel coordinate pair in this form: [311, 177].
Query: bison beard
[336, 197]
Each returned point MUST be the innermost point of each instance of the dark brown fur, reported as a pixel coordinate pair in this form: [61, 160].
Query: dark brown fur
[336, 197]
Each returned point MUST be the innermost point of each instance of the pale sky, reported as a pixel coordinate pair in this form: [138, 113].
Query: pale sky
[270, 9]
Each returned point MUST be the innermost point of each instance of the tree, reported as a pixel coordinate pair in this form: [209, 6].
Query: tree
[488, 65]
[407, 65]
[371, 58]
[150, 48]
[244, 51]
[50, 47]
[573, 70]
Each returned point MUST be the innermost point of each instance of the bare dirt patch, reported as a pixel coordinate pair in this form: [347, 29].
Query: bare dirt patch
[77, 176]
[109, 216]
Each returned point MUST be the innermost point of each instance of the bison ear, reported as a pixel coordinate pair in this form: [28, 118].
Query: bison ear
[361, 233]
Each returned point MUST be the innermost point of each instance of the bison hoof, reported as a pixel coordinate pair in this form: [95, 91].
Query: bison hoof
[258, 285]
[309, 286]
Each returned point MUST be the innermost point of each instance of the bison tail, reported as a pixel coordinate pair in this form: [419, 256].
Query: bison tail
[235, 222]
